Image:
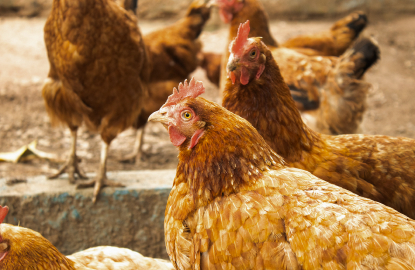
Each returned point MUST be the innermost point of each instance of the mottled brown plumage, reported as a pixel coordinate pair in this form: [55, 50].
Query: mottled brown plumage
[26, 249]
[235, 205]
[97, 73]
[311, 77]
[381, 168]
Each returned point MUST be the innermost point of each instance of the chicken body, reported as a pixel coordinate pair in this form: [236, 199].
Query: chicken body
[174, 53]
[381, 168]
[235, 205]
[97, 73]
[311, 79]
[27, 249]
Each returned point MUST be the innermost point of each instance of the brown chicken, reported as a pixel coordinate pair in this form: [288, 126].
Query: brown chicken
[174, 52]
[22, 249]
[381, 168]
[98, 73]
[310, 77]
[234, 203]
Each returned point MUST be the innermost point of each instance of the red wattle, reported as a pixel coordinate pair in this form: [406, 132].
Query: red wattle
[3, 255]
[195, 138]
[175, 136]
[244, 76]
[3, 213]
[260, 70]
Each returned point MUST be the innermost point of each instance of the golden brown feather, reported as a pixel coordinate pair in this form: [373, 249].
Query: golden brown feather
[235, 205]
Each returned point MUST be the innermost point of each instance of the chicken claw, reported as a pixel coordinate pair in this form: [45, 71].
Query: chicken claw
[71, 166]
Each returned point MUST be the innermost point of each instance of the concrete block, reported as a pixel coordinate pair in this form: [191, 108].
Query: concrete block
[130, 217]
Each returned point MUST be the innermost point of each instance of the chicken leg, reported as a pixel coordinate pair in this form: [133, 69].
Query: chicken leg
[71, 166]
[135, 156]
[101, 179]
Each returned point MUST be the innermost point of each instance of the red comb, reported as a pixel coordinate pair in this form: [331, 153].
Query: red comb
[193, 89]
[241, 38]
[3, 213]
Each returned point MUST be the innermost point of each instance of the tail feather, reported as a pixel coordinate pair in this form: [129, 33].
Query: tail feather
[333, 42]
[364, 54]
[356, 22]
[63, 106]
[130, 5]
[201, 10]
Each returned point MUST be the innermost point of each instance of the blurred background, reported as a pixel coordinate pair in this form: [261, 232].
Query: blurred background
[24, 66]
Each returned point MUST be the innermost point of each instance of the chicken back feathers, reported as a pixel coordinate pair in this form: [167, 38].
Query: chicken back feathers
[235, 205]
[96, 57]
[381, 168]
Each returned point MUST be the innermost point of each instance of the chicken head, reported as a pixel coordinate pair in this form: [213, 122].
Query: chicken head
[181, 120]
[246, 60]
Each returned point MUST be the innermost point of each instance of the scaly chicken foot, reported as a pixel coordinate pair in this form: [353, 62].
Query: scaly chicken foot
[71, 166]
[135, 156]
[101, 179]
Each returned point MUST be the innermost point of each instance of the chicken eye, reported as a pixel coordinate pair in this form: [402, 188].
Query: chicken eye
[252, 54]
[187, 115]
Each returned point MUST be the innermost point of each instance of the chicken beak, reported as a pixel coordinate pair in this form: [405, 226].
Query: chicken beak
[233, 63]
[161, 117]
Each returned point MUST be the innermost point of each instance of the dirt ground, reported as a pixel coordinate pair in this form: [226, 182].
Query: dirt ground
[24, 66]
